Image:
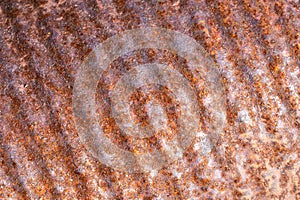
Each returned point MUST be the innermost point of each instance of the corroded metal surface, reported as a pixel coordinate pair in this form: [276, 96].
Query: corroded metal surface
[255, 47]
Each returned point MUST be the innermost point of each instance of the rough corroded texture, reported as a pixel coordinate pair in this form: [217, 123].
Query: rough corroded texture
[256, 45]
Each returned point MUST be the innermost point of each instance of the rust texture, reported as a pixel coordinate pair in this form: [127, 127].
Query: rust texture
[256, 46]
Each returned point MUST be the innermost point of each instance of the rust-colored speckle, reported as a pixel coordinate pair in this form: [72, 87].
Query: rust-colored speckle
[256, 46]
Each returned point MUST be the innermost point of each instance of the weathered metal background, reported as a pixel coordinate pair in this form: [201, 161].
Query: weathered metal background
[256, 45]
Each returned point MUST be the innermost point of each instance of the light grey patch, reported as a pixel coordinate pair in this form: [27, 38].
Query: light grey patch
[157, 116]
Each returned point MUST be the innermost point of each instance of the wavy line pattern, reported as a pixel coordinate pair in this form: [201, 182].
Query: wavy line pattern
[256, 47]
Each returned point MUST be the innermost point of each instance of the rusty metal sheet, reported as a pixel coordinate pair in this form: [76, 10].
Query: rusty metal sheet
[149, 99]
